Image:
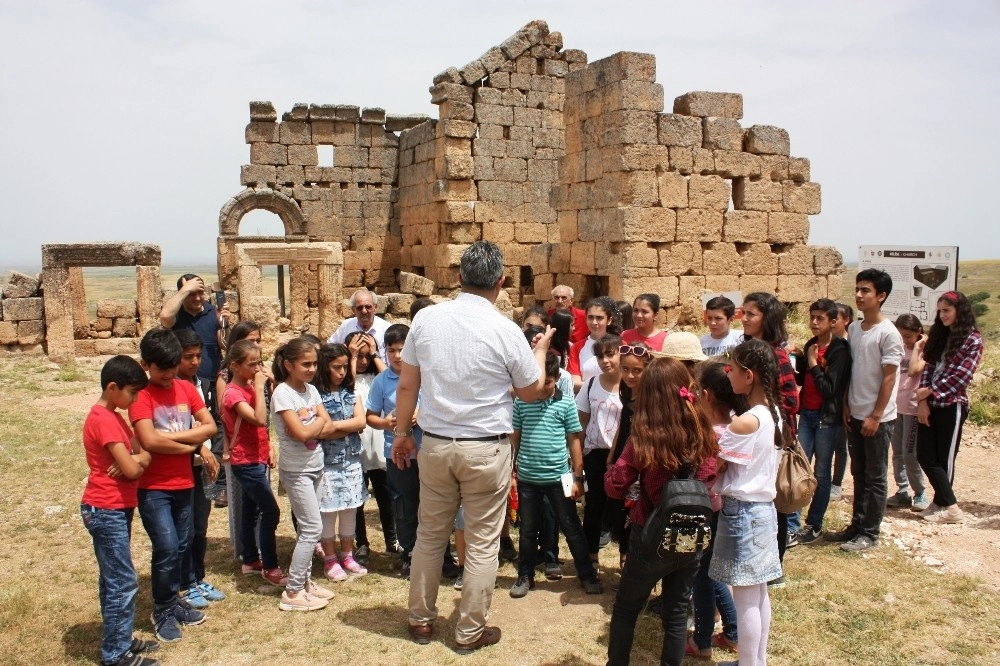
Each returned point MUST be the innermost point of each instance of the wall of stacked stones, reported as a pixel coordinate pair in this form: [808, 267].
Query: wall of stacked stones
[22, 316]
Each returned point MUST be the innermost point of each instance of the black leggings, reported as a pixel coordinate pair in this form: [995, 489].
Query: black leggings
[386, 512]
[937, 448]
[595, 464]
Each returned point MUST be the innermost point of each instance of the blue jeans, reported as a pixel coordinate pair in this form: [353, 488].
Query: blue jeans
[639, 576]
[404, 487]
[819, 441]
[530, 506]
[193, 567]
[166, 517]
[707, 594]
[870, 469]
[260, 505]
[111, 530]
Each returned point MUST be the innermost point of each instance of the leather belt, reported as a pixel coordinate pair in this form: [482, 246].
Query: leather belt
[483, 438]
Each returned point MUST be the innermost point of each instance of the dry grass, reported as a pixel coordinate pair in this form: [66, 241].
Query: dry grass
[838, 609]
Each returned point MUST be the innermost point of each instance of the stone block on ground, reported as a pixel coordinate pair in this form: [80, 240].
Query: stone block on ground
[23, 309]
[116, 307]
[411, 283]
[30, 332]
[8, 333]
[124, 327]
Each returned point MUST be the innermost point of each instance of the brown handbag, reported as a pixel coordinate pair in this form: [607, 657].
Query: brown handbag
[796, 482]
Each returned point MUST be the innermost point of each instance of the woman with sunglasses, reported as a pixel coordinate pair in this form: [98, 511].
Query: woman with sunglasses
[764, 319]
[603, 318]
[644, 310]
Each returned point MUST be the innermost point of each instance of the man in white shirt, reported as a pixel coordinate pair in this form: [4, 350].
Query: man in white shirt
[365, 321]
[463, 356]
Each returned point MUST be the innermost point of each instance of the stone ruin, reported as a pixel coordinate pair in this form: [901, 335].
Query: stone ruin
[573, 168]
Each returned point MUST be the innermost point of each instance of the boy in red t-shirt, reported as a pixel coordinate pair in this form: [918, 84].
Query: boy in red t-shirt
[172, 423]
[116, 460]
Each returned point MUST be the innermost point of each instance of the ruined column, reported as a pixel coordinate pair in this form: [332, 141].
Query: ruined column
[149, 295]
[58, 314]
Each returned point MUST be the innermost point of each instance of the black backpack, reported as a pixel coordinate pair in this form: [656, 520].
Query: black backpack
[681, 524]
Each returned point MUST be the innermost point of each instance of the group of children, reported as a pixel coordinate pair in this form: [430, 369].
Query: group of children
[332, 407]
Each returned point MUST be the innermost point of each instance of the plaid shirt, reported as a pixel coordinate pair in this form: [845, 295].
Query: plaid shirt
[788, 389]
[949, 385]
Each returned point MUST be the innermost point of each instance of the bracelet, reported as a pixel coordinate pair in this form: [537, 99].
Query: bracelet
[402, 433]
[580, 479]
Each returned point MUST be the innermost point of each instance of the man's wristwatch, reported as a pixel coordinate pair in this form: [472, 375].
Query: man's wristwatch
[402, 433]
[580, 479]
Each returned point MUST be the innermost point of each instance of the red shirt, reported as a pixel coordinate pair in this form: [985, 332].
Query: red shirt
[654, 342]
[170, 410]
[252, 445]
[103, 427]
[580, 330]
[811, 397]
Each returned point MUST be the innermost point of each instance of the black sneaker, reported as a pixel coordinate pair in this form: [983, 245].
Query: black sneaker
[809, 535]
[405, 573]
[165, 626]
[844, 535]
[592, 585]
[362, 553]
[605, 539]
[187, 615]
[776, 583]
[131, 658]
[450, 570]
[792, 540]
[521, 587]
[859, 543]
[507, 550]
[140, 646]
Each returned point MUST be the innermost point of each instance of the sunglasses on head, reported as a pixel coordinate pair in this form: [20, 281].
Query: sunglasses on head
[635, 351]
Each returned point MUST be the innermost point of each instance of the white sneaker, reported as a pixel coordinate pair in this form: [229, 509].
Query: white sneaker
[931, 509]
[836, 492]
[948, 516]
[303, 602]
[317, 591]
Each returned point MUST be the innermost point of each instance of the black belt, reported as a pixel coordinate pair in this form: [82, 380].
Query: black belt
[484, 438]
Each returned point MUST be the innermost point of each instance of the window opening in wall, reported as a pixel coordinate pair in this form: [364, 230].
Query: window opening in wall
[540, 67]
[276, 281]
[595, 285]
[325, 155]
[527, 280]
[119, 282]
[260, 222]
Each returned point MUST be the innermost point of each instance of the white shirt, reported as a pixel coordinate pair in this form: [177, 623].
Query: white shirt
[871, 350]
[377, 331]
[753, 461]
[605, 411]
[588, 362]
[468, 355]
[716, 346]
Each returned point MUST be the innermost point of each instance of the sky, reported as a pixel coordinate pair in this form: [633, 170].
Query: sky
[124, 121]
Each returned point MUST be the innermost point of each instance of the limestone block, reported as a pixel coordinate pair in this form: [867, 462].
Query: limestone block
[350, 156]
[459, 166]
[321, 112]
[582, 258]
[493, 60]
[680, 259]
[690, 287]
[265, 311]
[399, 304]
[664, 286]
[722, 283]
[521, 81]
[699, 224]
[598, 224]
[722, 259]
[23, 309]
[773, 167]
[473, 72]
[673, 188]
[103, 335]
[760, 259]
[525, 117]
[543, 285]
[268, 153]
[827, 261]
[261, 132]
[448, 255]
[631, 94]
[681, 159]
[705, 104]
[801, 288]
[515, 45]
[752, 283]
[623, 66]
[711, 192]
[545, 171]
[486, 95]
[722, 134]
[745, 226]
[8, 333]
[540, 255]
[263, 111]
[300, 111]
[801, 197]
[797, 260]
[567, 220]
[20, 285]
[347, 112]
[736, 164]
[489, 212]
[766, 140]
[450, 75]
[835, 287]
[303, 155]
[678, 130]
[289, 175]
[703, 161]
[124, 327]
[494, 114]
[103, 324]
[294, 132]
[639, 255]
[763, 195]
[456, 92]
[786, 228]
[461, 129]
[636, 157]
[400, 122]
[411, 283]
[798, 169]
[530, 232]
[540, 212]
[501, 191]
[500, 80]
[456, 111]
[82, 348]
[557, 68]
[511, 169]
[634, 188]
[373, 116]
[257, 174]
[627, 126]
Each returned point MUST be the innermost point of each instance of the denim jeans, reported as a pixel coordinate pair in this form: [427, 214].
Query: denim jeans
[819, 441]
[870, 469]
[259, 514]
[117, 584]
[548, 539]
[639, 576]
[707, 594]
[193, 567]
[166, 517]
[530, 505]
[404, 487]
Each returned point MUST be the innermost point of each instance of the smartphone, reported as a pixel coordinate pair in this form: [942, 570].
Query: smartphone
[220, 298]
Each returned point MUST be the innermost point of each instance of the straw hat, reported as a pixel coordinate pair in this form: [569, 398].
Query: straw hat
[683, 346]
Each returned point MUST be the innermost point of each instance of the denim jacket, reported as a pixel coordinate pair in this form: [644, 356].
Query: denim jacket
[340, 406]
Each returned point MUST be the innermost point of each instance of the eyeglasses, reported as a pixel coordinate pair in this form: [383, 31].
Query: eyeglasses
[635, 351]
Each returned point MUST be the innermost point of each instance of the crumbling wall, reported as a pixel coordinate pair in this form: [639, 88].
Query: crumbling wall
[22, 325]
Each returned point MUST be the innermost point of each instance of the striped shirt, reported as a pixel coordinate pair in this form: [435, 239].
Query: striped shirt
[544, 425]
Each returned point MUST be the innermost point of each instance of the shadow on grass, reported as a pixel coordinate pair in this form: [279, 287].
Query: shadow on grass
[83, 641]
[383, 620]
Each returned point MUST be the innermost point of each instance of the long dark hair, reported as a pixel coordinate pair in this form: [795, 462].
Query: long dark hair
[758, 356]
[711, 376]
[241, 330]
[328, 353]
[371, 369]
[610, 308]
[670, 425]
[942, 341]
[292, 350]
[773, 329]
[561, 321]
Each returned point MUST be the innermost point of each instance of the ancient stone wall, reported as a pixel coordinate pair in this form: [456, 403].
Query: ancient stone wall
[22, 325]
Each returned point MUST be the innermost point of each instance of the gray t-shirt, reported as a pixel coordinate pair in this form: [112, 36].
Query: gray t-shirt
[293, 455]
[871, 350]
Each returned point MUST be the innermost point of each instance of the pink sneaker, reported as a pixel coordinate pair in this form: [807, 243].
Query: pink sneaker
[275, 576]
[352, 566]
[333, 570]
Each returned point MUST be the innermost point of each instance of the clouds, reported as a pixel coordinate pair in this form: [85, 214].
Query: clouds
[124, 121]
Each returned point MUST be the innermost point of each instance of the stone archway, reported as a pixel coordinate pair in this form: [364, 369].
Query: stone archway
[250, 199]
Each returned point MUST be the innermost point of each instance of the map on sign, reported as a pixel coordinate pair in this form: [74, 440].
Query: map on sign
[919, 276]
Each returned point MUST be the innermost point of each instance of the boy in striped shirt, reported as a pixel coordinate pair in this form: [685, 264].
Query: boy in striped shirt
[543, 431]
